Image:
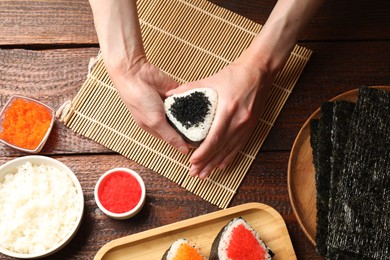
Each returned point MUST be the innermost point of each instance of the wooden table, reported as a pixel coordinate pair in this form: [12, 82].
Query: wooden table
[45, 47]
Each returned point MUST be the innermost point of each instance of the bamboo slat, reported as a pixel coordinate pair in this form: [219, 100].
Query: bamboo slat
[188, 40]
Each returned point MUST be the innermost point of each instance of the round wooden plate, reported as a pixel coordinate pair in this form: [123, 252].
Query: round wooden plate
[301, 174]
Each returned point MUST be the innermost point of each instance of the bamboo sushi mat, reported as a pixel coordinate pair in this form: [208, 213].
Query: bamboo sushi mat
[188, 40]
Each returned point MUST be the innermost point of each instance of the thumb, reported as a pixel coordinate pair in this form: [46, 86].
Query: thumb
[180, 89]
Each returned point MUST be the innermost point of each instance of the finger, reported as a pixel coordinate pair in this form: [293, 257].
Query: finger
[228, 158]
[169, 135]
[215, 140]
[221, 159]
[144, 127]
[211, 165]
[152, 132]
[207, 170]
[205, 161]
[227, 155]
[160, 128]
[201, 157]
[181, 89]
[237, 144]
[202, 171]
[194, 171]
[222, 165]
[168, 85]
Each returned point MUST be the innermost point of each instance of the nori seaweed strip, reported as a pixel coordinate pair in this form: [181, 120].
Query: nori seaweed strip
[324, 153]
[314, 142]
[360, 223]
[342, 114]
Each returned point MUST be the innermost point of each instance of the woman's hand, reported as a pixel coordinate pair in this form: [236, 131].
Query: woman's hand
[244, 85]
[242, 93]
[142, 87]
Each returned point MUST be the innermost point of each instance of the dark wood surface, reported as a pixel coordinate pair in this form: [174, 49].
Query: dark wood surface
[45, 47]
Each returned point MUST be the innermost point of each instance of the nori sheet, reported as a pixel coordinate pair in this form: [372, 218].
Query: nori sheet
[360, 219]
[342, 114]
[322, 176]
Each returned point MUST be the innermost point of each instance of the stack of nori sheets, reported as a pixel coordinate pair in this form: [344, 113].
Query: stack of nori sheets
[351, 155]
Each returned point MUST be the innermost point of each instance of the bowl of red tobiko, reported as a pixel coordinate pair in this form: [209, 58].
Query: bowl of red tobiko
[120, 193]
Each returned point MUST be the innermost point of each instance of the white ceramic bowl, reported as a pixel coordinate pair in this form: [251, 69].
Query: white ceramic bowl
[44, 139]
[133, 211]
[37, 159]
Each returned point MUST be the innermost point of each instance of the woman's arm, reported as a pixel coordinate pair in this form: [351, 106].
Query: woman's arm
[272, 47]
[141, 85]
[244, 85]
[118, 30]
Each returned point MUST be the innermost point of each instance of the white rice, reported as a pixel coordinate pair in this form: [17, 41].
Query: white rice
[38, 208]
[175, 247]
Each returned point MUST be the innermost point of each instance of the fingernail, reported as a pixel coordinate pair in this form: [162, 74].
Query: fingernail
[203, 175]
[184, 149]
[222, 166]
[193, 172]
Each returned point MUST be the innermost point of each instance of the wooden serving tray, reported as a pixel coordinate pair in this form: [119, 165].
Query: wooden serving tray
[201, 231]
[301, 172]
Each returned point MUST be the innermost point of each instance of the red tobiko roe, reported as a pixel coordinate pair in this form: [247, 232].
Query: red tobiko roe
[244, 245]
[119, 192]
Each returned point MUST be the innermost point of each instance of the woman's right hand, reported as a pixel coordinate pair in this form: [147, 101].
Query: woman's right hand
[140, 84]
[142, 87]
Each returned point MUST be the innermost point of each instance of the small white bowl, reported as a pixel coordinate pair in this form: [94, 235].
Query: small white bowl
[37, 159]
[131, 212]
[44, 139]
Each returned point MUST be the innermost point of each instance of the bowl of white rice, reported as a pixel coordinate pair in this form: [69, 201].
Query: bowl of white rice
[41, 206]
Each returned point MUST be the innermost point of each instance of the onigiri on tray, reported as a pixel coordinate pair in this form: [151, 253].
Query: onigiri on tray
[248, 231]
[182, 249]
[238, 240]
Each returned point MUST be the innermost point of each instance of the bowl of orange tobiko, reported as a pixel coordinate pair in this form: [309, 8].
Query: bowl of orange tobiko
[120, 193]
[25, 124]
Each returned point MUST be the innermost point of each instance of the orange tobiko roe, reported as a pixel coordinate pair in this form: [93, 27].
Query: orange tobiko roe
[25, 123]
[186, 251]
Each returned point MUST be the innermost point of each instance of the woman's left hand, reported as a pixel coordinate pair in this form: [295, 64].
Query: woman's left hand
[242, 93]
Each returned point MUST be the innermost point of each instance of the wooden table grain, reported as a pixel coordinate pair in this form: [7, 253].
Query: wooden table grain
[45, 47]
